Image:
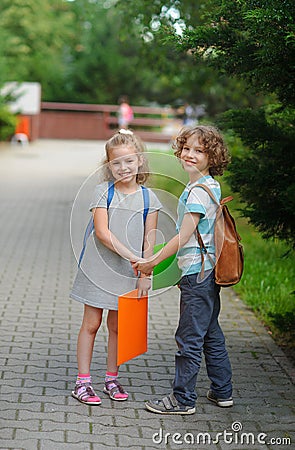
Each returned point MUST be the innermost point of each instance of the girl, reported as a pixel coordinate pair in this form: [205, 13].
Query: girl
[125, 112]
[203, 154]
[123, 230]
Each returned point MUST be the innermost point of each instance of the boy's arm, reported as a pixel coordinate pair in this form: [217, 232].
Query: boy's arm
[144, 283]
[106, 237]
[188, 227]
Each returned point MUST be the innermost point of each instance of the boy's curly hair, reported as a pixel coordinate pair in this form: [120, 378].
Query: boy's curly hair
[127, 140]
[212, 141]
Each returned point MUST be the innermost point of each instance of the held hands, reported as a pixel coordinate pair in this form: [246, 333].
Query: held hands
[144, 265]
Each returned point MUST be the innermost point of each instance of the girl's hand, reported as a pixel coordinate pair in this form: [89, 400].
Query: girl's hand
[133, 262]
[143, 286]
[145, 265]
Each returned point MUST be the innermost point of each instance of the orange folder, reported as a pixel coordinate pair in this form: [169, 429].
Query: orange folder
[132, 326]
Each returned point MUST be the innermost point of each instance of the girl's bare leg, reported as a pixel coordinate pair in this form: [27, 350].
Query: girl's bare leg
[112, 323]
[112, 387]
[91, 322]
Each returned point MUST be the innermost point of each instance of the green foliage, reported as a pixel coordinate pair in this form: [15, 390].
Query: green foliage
[267, 284]
[264, 173]
[7, 123]
[93, 51]
[104, 61]
[177, 74]
[35, 35]
[251, 39]
[268, 281]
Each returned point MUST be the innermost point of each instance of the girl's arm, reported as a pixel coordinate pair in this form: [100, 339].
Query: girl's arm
[150, 230]
[106, 237]
[188, 227]
[144, 283]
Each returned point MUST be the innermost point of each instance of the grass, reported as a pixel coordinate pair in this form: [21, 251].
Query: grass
[267, 285]
[268, 281]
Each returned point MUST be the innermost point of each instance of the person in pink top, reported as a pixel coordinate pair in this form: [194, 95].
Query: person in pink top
[125, 112]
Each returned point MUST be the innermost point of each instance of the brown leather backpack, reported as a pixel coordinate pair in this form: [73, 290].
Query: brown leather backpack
[229, 251]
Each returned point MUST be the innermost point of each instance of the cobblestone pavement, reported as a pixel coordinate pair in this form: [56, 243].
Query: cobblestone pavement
[39, 325]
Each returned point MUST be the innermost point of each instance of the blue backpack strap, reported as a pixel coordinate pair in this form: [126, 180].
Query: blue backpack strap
[90, 226]
[146, 202]
[88, 231]
[111, 191]
[146, 205]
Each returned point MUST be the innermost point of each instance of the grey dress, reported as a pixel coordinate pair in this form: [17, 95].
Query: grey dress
[103, 275]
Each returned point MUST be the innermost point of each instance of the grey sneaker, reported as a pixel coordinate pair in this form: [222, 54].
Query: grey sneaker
[169, 405]
[222, 402]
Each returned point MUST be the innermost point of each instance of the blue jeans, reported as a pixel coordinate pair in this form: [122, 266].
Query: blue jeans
[199, 331]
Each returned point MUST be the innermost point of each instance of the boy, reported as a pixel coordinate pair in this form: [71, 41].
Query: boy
[203, 154]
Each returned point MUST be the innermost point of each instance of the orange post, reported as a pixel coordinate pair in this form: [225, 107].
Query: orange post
[23, 126]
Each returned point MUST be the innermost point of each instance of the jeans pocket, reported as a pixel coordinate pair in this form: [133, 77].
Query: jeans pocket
[184, 282]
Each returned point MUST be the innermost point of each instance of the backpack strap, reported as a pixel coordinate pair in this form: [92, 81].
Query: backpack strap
[208, 190]
[90, 226]
[199, 237]
[146, 203]
[111, 191]
[88, 231]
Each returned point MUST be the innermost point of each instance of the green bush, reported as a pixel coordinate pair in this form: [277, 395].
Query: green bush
[7, 123]
[262, 173]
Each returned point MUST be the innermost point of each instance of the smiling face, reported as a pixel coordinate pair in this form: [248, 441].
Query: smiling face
[124, 163]
[194, 158]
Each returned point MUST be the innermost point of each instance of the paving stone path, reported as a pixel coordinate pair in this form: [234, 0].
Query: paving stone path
[39, 325]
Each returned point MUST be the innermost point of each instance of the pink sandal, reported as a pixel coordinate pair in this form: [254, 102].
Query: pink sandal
[84, 393]
[115, 391]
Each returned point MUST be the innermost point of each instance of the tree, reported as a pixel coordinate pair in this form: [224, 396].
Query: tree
[80, 52]
[36, 33]
[106, 61]
[252, 41]
[103, 62]
[182, 76]
[264, 174]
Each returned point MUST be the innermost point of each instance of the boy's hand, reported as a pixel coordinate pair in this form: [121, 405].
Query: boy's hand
[143, 286]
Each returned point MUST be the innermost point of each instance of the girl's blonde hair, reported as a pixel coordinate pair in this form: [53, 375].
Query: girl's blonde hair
[212, 141]
[128, 139]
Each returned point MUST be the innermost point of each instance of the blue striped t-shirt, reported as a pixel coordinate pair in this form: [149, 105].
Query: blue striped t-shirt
[197, 200]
